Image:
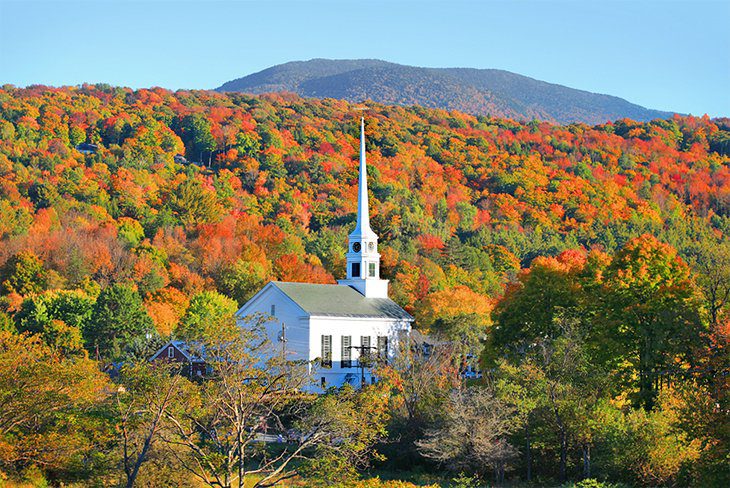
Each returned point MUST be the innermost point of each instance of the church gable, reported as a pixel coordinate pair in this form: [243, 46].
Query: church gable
[270, 295]
[285, 323]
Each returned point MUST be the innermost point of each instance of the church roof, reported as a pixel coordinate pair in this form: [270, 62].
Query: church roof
[340, 301]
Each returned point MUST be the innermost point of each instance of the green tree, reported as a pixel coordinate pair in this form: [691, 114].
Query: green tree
[193, 204]
[653, 315]
[72, 307]
[248, 144]
[242, 279]
[555, 388]
[653, 448]
[530, 306]
[59, 317]
[24, 274]
[197, 136]
[6, 323]
[711, 262]
[130, 232]
[117, 319]
[43, 195]
[515, 385]
[208, 314]
[344, 426]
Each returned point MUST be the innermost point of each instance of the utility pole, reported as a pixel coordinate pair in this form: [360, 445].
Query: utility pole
[282, 339]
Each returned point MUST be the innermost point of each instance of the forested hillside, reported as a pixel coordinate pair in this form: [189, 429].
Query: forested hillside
[606, 246]
[459, 202]
[477, 91]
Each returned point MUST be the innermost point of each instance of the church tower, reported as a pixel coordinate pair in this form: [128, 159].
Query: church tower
[363, 259]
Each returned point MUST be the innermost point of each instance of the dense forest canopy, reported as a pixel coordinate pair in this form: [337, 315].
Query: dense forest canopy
[459, 202]
[587, 268]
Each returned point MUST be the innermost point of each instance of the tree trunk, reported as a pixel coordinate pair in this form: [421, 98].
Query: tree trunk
[563, 441]
[499, 474]
[241, 471]
[528, 451]
[563, 454]
[646, 371]
[586, 461]
[132, 476]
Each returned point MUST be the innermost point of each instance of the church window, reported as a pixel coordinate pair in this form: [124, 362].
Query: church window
[382, 347]
[323, 382]
[371, 270]
[355, 270]
[346, 352]
[326, 351]
[273, 310]
[170, 352]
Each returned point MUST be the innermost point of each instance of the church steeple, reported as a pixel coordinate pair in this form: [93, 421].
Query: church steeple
[362, 227]
[363, 259]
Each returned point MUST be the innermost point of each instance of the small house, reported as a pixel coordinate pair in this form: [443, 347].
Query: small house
[179, 352]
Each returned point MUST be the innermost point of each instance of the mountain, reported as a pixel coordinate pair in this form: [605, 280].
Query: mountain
[476, 91]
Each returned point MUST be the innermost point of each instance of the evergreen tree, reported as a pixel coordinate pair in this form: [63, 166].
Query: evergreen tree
[118, 318]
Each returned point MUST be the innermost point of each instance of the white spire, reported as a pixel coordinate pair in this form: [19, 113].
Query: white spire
[362, 228]
[363, 259]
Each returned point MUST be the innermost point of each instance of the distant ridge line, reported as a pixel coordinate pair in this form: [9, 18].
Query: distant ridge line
[476, 91]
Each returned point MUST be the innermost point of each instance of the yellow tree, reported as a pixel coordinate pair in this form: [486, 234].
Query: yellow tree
[48, 407]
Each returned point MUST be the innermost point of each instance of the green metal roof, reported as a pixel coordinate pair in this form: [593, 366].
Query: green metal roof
[340, 301]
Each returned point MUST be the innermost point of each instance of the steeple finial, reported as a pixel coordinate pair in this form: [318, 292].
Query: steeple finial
[363, 212]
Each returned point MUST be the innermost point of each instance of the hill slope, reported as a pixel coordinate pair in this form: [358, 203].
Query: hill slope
[460, 203]
[477, 91]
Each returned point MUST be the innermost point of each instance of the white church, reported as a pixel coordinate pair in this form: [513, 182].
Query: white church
[340, 329]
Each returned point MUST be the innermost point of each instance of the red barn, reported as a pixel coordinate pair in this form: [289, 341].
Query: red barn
[179, 352]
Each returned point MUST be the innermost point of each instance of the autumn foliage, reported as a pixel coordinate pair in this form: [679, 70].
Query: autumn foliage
[265, 187]
[130, 216]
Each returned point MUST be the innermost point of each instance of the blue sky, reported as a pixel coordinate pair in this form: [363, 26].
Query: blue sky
[669, 55]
